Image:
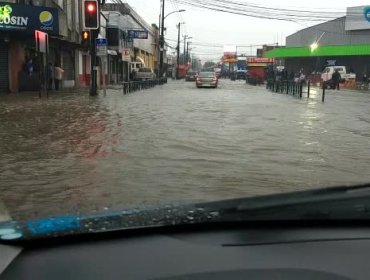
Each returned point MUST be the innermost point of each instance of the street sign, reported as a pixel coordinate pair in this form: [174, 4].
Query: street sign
[42, 40]
[126, 54]
[101, 46]
[137, 34]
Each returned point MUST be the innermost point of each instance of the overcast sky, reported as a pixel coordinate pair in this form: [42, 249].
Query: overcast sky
[216, 29]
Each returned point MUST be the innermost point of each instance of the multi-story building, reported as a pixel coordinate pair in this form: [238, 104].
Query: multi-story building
[62, 20]
[19, 19]
[121, 19]
[344, 41]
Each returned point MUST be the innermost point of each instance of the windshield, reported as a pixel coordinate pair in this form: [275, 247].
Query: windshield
[83, 134]
[145, 70]
[206, 74]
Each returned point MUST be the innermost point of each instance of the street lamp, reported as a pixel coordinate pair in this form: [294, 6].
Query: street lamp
[178, 11]
[315, 44]
[161, 40]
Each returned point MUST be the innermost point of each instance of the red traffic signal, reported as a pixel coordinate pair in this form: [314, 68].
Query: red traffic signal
[91, 8]
[91, 14]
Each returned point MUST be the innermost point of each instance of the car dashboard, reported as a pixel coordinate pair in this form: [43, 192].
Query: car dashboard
[222, 253]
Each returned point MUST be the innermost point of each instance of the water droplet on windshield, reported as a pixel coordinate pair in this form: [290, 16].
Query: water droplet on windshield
[214, 213]
[11, 236]
[4, 231]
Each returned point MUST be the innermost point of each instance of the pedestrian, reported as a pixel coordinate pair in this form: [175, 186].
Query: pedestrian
[335, 79]
[28, 67]
[365, 78]
[284, 74]
[58, 76]
[49, 75]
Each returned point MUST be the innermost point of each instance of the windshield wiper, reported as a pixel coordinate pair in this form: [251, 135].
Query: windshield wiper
[339, 203]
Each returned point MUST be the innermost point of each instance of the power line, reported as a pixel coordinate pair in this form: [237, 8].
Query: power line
[245, 9]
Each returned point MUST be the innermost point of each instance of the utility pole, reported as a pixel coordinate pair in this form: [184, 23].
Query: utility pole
[178, 51]
[187, 52]
[161, 43]
[94, 66]
[183, 57]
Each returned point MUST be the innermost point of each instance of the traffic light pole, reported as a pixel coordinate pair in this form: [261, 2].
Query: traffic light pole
[161, 44]
[178, 52]
[93, 71]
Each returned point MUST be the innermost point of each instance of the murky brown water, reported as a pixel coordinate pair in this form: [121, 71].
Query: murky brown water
[176, 143]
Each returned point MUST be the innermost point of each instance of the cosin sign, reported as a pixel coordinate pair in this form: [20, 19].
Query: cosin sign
[24, 18]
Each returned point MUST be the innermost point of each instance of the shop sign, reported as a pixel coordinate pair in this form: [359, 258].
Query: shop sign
[137, 34]
[331, 62]
[42, 41]
[101, 46]
[230, 57]
[260, 60]
[26, 18]
[126, 54]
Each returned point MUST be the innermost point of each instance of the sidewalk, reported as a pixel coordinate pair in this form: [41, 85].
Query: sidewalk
[342, 90]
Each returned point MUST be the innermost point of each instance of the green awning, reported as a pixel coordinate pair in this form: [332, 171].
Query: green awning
[344, 50]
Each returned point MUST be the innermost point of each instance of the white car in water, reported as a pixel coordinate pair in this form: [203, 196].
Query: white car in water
[206, 79]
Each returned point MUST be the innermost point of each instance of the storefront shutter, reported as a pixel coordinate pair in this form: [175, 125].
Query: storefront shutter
[4, 66]
[68, 65]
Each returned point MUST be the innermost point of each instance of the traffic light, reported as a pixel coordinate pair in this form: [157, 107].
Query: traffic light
[91, 14]
[86, 39]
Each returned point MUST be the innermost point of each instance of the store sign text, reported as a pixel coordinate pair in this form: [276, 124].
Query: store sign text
[28, 18]
[6, 18]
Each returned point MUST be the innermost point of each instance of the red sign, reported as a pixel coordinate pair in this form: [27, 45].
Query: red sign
[260, 60]
[230, 57]
[41, 39]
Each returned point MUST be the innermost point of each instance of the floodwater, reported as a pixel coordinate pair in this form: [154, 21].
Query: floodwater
[175, 144]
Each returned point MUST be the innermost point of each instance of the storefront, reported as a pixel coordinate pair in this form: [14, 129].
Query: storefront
[4, 64]
[344, 41]
[17, 45]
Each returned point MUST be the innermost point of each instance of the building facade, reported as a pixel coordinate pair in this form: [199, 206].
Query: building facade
[121, 19]
[19, 19]
[344, 41]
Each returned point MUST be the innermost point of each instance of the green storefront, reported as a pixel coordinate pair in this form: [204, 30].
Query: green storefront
[354, 57]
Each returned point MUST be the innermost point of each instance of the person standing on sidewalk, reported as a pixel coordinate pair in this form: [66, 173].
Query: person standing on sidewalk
[336, 79]
[58, 76]
[49, 75]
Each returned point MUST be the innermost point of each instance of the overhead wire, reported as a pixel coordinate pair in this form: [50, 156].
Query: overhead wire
[245, 9]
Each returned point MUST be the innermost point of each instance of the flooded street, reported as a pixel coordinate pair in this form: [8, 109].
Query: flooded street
[174, 144]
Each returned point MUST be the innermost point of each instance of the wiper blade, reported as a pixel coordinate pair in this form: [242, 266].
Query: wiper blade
[330, 203]
[343, 203]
